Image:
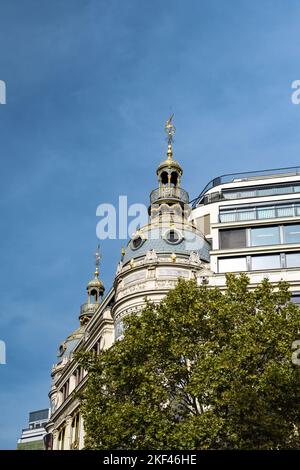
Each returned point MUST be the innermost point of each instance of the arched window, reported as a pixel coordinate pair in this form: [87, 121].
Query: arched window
[174, 178]
[164, 177]
[94, 296]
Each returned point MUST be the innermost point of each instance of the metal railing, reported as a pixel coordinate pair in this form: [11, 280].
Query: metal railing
[246, 176]
[169, 192]
[88, 308]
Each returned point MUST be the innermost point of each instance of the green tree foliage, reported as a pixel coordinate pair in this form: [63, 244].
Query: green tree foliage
[201, 370]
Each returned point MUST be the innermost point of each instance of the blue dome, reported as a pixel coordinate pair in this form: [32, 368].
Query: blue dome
[67, 347]
[155, 239]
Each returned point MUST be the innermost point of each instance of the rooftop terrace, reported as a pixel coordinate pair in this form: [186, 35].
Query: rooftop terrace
[246, 176]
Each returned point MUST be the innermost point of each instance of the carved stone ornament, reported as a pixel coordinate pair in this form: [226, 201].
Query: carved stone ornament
[194, 258]
[151, 256]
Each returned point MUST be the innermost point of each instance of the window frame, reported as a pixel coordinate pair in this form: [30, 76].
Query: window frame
[175, 230]
[235, 212]
[249, 242]
[283, 261]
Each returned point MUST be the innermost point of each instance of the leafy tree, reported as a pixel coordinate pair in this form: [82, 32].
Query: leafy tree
[201, 370]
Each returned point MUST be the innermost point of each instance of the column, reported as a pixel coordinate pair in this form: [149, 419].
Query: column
[68, 433]
[55, 439]
[81, 433]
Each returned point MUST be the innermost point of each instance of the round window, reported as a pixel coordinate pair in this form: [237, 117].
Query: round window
[136, 243]
[173, 236]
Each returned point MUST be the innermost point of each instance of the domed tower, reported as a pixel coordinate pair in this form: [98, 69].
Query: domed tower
[169, 174]
[168, 247]
[95, 290]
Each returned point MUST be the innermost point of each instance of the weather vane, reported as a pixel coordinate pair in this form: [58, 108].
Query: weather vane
[170, 129]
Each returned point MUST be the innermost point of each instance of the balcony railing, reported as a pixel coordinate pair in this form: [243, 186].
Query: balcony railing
[169, 193]
[246, 176]
[87, 309]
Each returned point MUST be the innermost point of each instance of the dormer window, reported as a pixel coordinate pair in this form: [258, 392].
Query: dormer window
[173, 236]
[137, 242]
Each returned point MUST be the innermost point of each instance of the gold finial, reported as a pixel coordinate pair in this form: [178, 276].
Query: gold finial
[170, 131]
[97, 261]
[123, 251]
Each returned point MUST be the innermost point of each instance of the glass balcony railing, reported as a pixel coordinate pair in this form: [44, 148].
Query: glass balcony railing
[247, 176]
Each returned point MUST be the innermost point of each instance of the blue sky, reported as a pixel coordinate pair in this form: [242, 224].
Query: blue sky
[90, 84]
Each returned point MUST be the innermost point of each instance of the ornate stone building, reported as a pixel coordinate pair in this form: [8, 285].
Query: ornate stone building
[247, 222]
[168, 247]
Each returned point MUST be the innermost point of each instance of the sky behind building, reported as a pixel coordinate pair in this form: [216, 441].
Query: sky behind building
[89, 86]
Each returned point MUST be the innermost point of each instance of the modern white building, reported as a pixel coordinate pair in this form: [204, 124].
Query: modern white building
[239, 223]
[32, 436]
[252, 221]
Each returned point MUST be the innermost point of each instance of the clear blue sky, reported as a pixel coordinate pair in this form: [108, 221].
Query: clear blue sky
[90, 84]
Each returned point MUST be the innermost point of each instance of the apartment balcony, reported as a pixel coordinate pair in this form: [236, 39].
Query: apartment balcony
[253, 176]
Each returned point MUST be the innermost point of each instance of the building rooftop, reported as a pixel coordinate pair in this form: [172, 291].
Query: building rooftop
[38, 415]
[246, 176]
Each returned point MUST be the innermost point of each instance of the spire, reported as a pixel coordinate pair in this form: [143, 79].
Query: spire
[169, 173]
[97, 261]
[169, 164]
[170, 131]
[95, 287]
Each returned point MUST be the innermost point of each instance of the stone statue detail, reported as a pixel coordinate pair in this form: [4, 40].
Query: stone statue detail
[151, 256]
[194, 258]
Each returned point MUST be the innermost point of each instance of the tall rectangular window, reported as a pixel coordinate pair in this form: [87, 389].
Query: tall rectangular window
[265, 236]
[265, 262]
[231, 265]
[235, 238]
[291, 233]
[292, 260]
